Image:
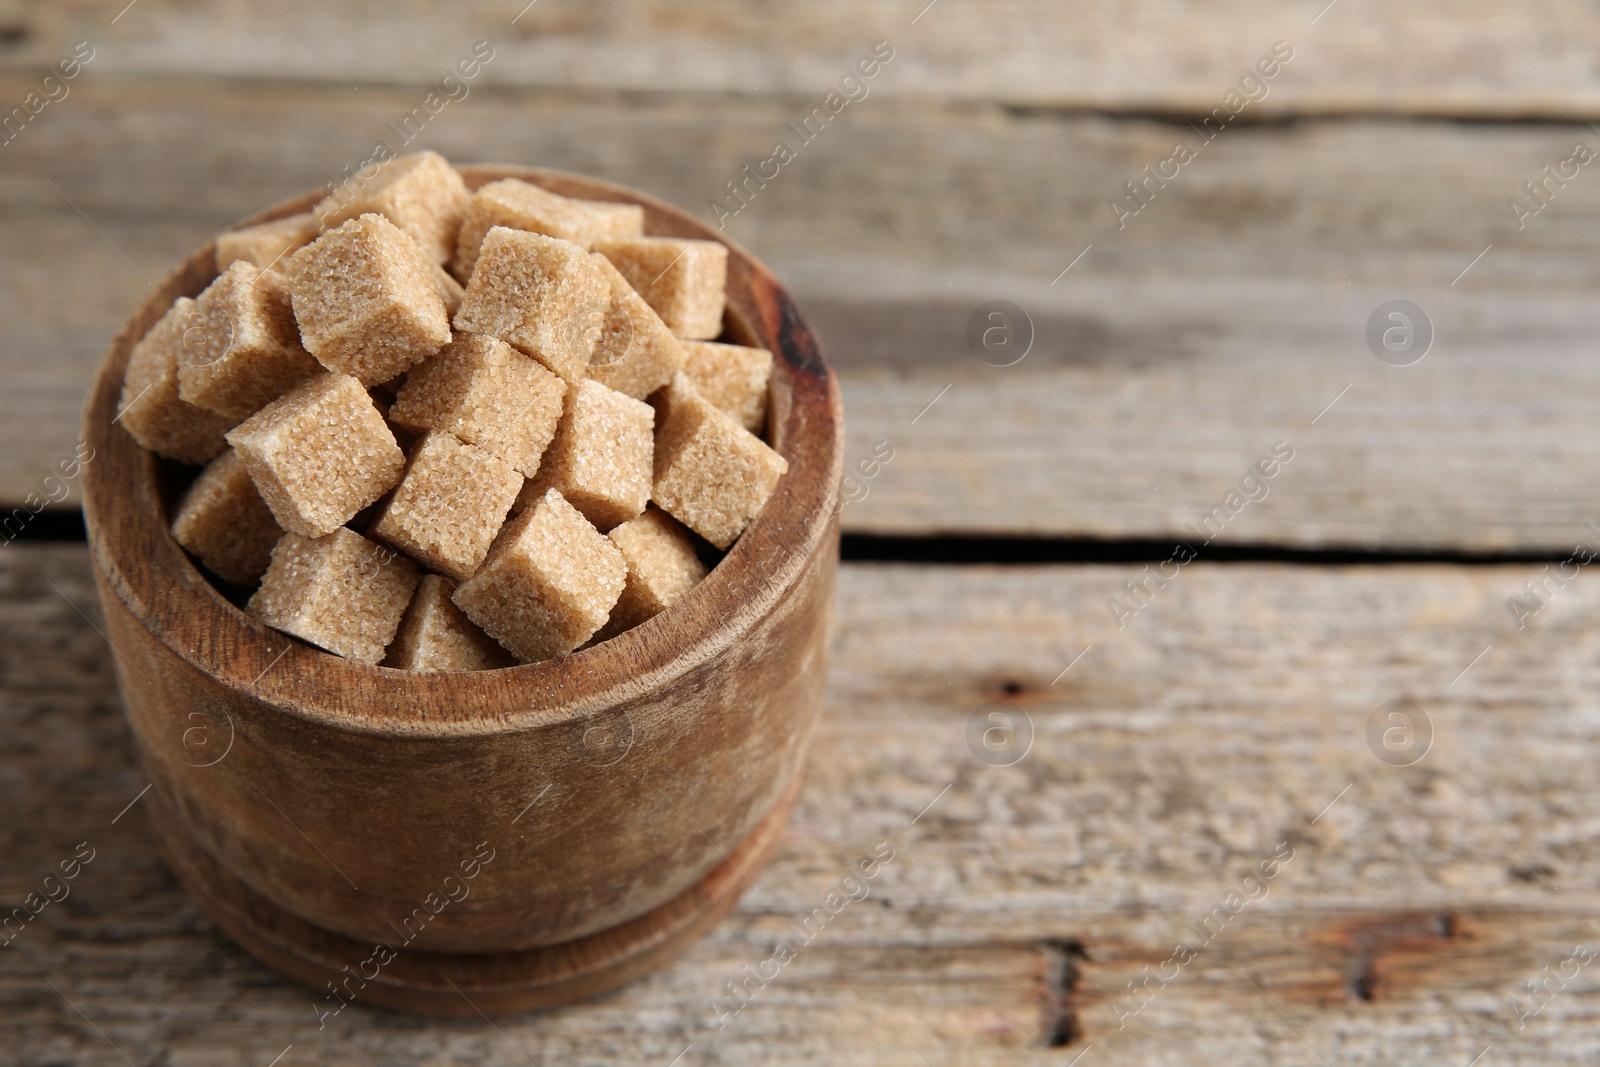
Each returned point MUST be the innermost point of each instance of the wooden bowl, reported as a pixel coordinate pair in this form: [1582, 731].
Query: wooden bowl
[512, 838]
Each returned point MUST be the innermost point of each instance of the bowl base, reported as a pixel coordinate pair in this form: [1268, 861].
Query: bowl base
[466, 984]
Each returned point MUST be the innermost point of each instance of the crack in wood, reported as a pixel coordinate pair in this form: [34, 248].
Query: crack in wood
[1063, 963]
[1006, 549]
[1372, 941]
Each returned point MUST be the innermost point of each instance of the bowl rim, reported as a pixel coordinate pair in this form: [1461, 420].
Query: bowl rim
[165, 592]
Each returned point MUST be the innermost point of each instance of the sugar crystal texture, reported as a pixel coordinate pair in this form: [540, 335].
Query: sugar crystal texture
[267, 244]
[340, 592]
[711, 474]
[223, 521]
[539, 294]
[421, 193]
[240, 347]
[734, 378]
[319, 454]
[449, 505]
[151, 409]
[435, 635]
[600, 458]
[549, 583]
[684, 280]
[522, 205]
[367, 300]
[662, 566]
[488, 394]
[635, 353]
[450, 290]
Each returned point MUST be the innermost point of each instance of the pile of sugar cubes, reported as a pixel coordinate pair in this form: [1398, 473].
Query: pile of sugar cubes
[445, 430]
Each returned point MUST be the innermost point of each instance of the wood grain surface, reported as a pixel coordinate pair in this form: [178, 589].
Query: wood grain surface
[1229, 715]
[1224, 724]
[1225, 316]
[1490, 57]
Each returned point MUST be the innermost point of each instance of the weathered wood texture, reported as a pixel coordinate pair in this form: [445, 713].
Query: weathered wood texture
[1173, 757]
[1427, 56]
[1172, 355]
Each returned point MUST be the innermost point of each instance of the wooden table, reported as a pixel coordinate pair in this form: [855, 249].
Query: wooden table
[1071, 790]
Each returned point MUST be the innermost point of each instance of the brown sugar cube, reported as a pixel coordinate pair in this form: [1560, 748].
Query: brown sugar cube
[450, 290]
[435, 635]
[488, 394]
[223, 521]
[711, 474]
[734, 378]
[600, 458]
[340, 592]
[662, 566]
[407, 440]
[383, 393]
[635, 353]
[549, 583]
[449, 505]
[522, 205]
[539, 294]
[319, 454]
[421, 193]
[383, 399]
[152, 411]
[684, 280]
[241, 349]
[367, 300]
[267, 244]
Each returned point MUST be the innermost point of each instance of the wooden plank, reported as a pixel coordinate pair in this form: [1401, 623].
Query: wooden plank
[1437, 57]
[1218, 321]
[1177, 754]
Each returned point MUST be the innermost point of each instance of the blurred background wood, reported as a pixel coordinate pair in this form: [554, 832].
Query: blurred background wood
[1488, 58]
[1223, 317]
[1227, 315]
